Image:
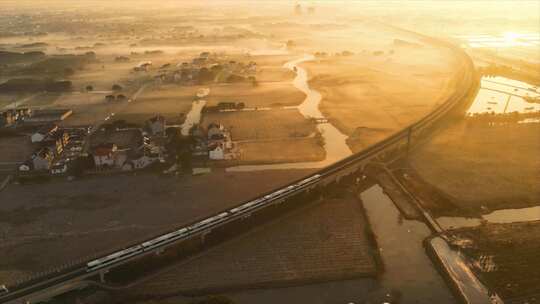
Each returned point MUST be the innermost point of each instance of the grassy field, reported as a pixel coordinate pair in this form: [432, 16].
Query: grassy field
[492, 166]
[15, 148]
[369, 97]
[273, 136]
[306, 245]
[172, 101]
[281, 151]
[103, 75]
[262, 125]
[265, 94]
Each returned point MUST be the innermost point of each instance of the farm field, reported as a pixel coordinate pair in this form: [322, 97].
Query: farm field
[97, 214]
[271, 136]
[306, 245]
[482, 168]
[512, 250]
[369, 97]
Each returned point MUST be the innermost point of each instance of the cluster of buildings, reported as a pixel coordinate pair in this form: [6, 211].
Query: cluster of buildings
[14, 117]
[143, 66]
[207, 68]
[116, 148]
[213, 142]
[113, 147]
[56, 149]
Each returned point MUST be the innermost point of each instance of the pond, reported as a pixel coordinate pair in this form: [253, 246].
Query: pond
[501, 95]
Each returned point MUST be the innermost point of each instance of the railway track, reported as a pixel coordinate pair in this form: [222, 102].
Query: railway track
[58, 281]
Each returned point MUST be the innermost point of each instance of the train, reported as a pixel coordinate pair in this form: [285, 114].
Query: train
[186, 232]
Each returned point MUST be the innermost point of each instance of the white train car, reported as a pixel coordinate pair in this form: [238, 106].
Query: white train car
[113, 258]
[206, 222]
[246, 205]
[164, 239]
[309, 180]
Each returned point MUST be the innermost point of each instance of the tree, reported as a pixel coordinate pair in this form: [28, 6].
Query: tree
[117, 87]
[290, 43]
[253, 80]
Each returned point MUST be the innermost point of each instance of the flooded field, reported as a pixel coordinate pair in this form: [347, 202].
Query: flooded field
[472, 289]
[512, 45]
[501, 95]
[496, 217]
[508, 39]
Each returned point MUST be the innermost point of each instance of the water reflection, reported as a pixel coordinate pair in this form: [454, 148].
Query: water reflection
[408, 269]
[506, 40]
[502, 95]
[495, 217]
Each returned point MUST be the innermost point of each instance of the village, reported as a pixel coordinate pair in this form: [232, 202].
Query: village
[61, 147]
[117, 146]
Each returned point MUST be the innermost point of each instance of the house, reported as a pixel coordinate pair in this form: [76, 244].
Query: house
[219, 142]
[143, 66]
[156, 125]
[217, 152]
[104, 155]
[62, 139]
[11, 116]
[57, 141]
[43, 132]
[6, 119]
[59, 168]
[139, 163]
[42, 160]
[110, 98]
[215, 131]
[26, 166]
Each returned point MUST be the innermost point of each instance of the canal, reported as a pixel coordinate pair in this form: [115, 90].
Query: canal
[409, 275]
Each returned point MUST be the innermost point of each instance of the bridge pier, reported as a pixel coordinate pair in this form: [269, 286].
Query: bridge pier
[409, 134]
[203, 236]
[102, 275]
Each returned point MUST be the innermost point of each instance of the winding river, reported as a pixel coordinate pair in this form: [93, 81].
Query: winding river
[335, 144]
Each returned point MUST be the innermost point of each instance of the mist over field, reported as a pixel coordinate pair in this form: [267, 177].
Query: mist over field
[271, 151]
